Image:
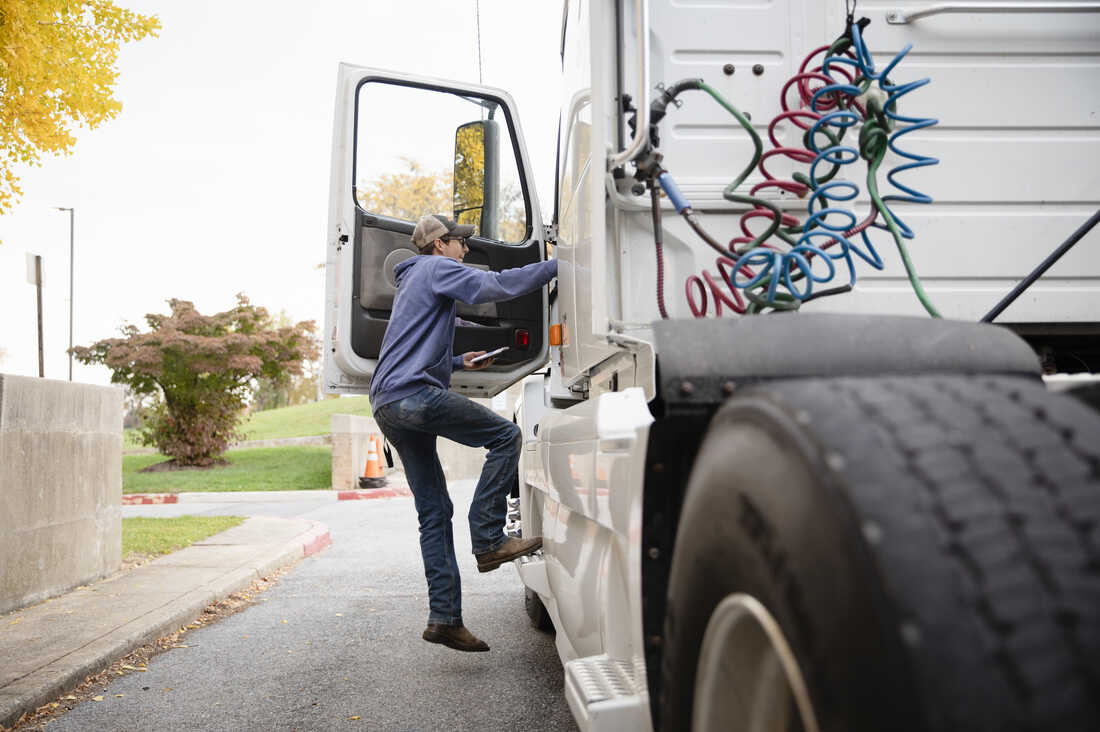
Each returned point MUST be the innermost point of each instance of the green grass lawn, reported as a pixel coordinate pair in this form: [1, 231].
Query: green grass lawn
[146, 536]
[260, 469]
[302, 420]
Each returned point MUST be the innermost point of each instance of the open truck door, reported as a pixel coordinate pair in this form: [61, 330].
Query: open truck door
[405, 146]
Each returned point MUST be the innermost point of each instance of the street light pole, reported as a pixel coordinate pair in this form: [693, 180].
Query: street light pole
[72, 225]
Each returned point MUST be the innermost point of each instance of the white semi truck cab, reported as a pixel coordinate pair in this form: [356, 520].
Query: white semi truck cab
[787, 435]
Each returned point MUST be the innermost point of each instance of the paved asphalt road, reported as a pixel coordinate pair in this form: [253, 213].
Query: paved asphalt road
[339, 637]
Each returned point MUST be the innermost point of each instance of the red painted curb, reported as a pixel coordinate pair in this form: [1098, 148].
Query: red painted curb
[148, 499]
[362, 495]
[319, 543]
[144, 499]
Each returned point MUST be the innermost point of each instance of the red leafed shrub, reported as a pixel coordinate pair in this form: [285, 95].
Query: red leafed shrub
[200, 369]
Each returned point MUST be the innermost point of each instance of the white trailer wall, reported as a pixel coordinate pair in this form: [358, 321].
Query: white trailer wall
[1017, 96]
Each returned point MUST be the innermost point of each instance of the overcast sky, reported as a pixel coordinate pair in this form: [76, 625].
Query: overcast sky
[214, 178]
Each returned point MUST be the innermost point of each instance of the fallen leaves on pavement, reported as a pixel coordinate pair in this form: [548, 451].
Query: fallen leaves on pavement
[91, 688]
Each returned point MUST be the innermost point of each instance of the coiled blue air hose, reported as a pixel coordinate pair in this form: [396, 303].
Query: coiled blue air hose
[775, 267]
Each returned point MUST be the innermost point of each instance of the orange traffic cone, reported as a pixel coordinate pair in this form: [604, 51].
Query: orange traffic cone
[378, 444]
[372, 473]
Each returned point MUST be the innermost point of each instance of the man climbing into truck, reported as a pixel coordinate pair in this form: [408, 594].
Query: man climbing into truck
[412, 404]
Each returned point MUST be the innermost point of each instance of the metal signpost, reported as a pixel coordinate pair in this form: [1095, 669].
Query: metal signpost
[72, 223]
[34, 276]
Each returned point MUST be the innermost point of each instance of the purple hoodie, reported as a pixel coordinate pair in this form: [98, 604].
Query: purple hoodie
[416, 350]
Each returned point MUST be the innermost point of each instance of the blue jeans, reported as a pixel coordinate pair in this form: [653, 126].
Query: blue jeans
[412, 425]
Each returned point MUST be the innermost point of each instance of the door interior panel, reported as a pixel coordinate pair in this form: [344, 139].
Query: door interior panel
[382, 251]
[380, 243]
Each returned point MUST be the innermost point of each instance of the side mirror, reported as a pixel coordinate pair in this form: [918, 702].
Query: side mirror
[477, 176]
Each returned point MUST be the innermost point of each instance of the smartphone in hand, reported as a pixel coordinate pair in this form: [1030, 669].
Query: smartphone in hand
[490, 354]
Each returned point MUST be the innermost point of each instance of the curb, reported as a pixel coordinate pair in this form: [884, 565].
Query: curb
[61, 675]
[146, 499]
[150, 499]
[397, 491]
[315, 539]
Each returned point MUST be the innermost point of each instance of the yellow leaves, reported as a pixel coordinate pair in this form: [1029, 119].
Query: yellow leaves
[354, 719]
[57, 69]
[407, 195]
[97, 698]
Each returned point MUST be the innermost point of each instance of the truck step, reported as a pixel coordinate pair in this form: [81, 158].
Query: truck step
[605, 694]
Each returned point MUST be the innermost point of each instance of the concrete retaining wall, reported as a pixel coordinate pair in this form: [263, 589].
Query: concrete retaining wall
[349, 449]
[60, 487]
[350, 435]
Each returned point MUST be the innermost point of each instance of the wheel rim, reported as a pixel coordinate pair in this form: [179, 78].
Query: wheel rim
[748, 680]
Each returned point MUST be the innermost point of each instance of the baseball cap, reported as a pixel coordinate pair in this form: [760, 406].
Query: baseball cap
[432, 227]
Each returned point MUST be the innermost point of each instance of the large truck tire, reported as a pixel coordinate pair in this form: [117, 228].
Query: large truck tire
[904, 553]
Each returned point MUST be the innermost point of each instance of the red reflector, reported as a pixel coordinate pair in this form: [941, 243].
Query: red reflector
[523, 339]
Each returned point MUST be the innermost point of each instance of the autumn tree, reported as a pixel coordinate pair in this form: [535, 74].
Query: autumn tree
[414, 192]
[513, 219]
[57, 69]
[407, 194]
[471, 178]
[201, 369]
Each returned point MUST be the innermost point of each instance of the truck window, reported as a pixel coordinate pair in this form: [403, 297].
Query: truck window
[408, 143]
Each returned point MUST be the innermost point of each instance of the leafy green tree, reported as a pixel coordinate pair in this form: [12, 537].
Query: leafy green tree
[293, 390]
[201, 368]
[134, 407]
[288, 389]
[57, 68]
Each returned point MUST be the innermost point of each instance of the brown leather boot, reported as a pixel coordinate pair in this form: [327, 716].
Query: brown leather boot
[506, 552]
[454, 636]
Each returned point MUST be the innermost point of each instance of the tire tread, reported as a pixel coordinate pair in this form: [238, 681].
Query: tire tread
[1004, 475]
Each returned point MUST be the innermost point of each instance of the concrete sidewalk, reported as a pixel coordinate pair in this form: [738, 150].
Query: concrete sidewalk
[49, 648]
